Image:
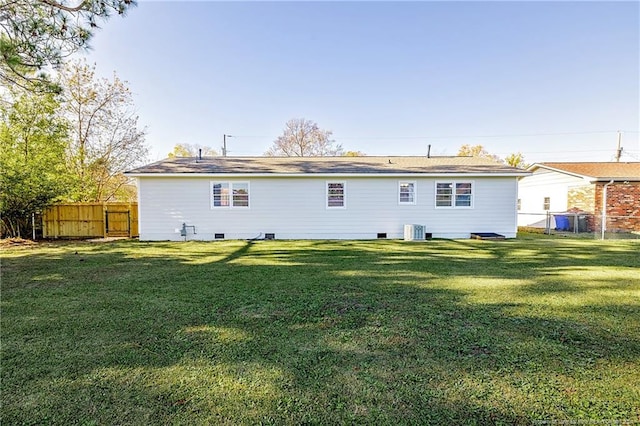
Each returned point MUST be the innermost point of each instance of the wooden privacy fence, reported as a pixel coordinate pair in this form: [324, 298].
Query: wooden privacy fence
[86, 220]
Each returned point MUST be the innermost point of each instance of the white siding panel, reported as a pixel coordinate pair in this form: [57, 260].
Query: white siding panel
[295, 208]
[544, 183]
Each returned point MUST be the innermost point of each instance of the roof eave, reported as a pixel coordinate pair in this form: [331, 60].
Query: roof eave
[616, 179]
[553, 169]
[331, 175]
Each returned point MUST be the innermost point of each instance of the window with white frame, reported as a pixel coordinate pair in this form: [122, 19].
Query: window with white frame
[336, 195]
[229, 194]
[454, 194]
[546, 203]
[240, 194]
[406, 192]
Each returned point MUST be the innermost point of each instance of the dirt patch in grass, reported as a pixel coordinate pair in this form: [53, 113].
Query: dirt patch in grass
[16, 242]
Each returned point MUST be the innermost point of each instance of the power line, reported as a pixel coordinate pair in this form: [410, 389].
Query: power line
[487, 136]
[559, 152]
[634, 156]
[460, 136]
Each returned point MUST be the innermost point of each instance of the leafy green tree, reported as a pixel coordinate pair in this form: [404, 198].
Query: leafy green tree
[105, 138]
[476, 151]
[191, 150]
[39, 34]
[516, 160]
[303, 138]
[33, 140]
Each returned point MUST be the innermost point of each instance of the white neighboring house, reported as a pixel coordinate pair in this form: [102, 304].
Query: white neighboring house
[324, 197]
[580, 187]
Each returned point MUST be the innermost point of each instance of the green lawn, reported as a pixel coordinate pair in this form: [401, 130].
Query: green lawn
[321, 332]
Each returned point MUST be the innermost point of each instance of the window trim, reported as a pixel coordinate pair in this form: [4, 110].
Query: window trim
[230, 185]
[454, 183]
[414, 200]
[344, 194]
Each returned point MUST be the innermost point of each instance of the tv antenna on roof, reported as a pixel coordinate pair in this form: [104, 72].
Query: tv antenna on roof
[619, 150]
[224, 144]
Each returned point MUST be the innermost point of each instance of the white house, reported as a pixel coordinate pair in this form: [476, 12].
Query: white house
[324, 197]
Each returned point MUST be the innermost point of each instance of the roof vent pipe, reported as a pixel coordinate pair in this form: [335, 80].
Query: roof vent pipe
[429, 151]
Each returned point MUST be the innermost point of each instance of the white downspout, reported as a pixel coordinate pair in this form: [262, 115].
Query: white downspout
[604, 208]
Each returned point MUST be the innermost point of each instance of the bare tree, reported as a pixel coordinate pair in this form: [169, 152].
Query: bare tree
[303, 138]
[105, 138]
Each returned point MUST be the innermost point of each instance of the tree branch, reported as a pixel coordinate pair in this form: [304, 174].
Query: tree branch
[60, 6]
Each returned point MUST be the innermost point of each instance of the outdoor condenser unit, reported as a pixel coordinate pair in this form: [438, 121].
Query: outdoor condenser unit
[414, 232]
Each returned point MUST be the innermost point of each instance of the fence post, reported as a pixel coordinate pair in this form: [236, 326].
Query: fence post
[105, 221]
[57, 222]
[548, 224]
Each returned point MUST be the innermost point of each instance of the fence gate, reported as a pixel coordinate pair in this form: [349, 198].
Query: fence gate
[117, 223]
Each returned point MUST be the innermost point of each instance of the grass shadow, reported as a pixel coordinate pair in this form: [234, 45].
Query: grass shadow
[315, 332]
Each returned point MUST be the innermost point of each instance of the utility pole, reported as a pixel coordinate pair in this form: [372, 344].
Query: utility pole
[619, 150]
[224, 144]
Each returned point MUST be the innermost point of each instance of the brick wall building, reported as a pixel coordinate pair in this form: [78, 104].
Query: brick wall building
[623, 205]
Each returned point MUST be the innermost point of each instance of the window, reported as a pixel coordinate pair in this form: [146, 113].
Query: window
[336, 195]
[463, 194]
[220, 192]
[407, 193]
[229, 194]
[454, 194]
[546, 205]
[519, 204]
[444, 194]
[241, 194]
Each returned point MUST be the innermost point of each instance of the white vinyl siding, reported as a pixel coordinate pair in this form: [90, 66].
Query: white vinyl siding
[165, 203]
[542, 184]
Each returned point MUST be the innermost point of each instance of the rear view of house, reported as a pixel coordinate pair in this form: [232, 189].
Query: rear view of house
[582, 188]
[324, 197]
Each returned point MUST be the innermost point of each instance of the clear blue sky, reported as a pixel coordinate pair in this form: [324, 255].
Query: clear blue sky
[553, 80]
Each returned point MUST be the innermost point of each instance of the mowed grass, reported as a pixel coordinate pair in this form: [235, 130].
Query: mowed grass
[321, 332]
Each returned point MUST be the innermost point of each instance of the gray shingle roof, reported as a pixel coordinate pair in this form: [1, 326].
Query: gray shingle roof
[327, 165]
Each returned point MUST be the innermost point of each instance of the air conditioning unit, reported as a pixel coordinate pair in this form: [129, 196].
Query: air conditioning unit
[414, 232]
